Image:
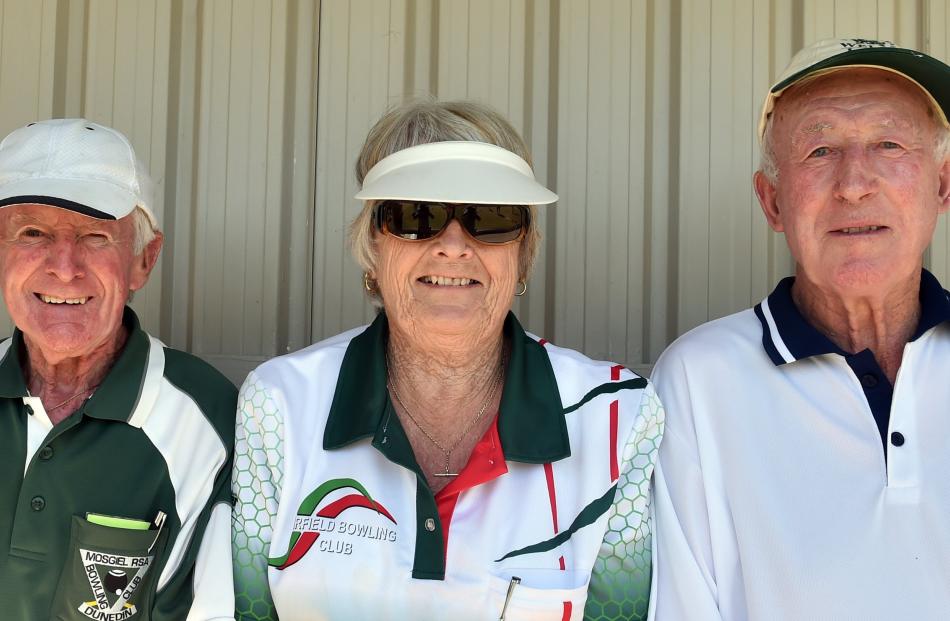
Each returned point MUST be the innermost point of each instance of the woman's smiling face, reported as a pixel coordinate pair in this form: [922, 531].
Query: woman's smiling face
[450, 284]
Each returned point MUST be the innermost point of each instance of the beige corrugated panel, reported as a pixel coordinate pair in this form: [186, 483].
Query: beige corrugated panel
[640, 114]
[219, 98]
[377, 53]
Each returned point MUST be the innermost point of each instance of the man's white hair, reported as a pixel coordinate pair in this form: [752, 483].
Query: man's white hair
[144, 233]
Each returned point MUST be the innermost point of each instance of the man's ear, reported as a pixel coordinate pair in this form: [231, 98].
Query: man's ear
[943, 191]
[145, 261]
[766, 193]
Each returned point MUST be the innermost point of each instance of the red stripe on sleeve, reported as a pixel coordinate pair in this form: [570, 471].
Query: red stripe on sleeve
[615, 372]
[614, 416]
[552, 497]
[542, 342]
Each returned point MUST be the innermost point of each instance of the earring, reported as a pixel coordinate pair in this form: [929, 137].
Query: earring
[524, 288]
[369, 283]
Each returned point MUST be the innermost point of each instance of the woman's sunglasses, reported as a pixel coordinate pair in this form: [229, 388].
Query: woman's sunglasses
[419, 220]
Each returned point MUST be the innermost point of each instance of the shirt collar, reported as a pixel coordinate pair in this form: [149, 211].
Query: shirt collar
[787, 336]
[116, 396]
[531, 423]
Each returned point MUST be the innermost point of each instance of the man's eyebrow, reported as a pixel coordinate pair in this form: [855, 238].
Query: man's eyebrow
[817, 128]
[22, 218]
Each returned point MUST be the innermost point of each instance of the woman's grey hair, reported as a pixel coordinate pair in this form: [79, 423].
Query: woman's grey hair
[421, 122]
[769, 166]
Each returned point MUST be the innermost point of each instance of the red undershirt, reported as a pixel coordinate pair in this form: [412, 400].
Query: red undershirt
[486, 462]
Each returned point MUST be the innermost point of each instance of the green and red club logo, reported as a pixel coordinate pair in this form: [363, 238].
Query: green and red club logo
[302, 539]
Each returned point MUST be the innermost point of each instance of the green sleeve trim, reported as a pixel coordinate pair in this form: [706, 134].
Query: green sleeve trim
[606, 389]
[586, 517]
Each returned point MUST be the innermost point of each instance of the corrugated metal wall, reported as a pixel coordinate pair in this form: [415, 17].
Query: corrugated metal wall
[640, 114]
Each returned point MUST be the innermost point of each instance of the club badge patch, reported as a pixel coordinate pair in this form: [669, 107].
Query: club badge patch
[113, 579]
[320, 512]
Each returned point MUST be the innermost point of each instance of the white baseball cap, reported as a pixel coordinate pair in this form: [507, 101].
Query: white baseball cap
[930, 74]
[77, 165]
[455, 172]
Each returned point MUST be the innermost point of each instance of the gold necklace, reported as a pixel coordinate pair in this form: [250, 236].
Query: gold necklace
[87, 389]
[447, 452]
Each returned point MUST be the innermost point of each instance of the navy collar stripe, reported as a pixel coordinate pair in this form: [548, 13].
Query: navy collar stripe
[768, 335]
[787, 336]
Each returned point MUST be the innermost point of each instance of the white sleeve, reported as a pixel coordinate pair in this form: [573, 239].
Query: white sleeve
[213, 583]
[620, 581]
[256, 485]
[684, 580]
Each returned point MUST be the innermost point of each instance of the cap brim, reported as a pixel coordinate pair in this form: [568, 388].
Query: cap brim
[930, 74]
[99, 200]
[455, 172]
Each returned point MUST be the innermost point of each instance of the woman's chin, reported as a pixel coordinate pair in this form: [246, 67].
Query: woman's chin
[449, 319]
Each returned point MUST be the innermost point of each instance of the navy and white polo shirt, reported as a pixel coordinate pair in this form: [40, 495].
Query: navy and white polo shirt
[795, 482]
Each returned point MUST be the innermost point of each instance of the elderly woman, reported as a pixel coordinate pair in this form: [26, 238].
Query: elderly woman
[441, 463]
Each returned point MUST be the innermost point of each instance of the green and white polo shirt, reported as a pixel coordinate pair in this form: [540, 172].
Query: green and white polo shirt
[120, 511]
[334, 520]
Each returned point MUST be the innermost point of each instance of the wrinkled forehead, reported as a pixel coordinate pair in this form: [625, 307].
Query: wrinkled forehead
[871, 88]
[35, 213]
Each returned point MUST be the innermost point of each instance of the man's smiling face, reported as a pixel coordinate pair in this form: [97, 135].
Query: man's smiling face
[859, 185]
[66, 277]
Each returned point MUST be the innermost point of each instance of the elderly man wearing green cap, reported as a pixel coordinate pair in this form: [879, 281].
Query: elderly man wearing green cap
[116, 499]
[804, 473]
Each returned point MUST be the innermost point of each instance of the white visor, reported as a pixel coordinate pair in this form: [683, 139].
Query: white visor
[455, 172]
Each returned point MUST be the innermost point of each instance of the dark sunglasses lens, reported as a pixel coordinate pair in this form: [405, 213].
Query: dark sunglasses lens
[490, 224]
[495, 224]
[412, 220]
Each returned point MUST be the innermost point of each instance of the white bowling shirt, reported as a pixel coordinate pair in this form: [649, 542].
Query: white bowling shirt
[334, 519]
[794, 481]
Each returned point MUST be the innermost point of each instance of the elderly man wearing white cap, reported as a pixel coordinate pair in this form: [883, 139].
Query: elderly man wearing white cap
[441, 463]
[118, 449]
[804, 472]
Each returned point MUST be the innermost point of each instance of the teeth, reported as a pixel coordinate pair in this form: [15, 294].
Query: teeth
[49, 299]
[859, 229]
[446, 282]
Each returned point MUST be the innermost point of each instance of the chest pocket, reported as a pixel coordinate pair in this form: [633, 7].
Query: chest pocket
[540, 595]
[110, 573]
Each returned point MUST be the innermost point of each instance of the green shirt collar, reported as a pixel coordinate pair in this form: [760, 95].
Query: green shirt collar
[116, 396]
[530, 419]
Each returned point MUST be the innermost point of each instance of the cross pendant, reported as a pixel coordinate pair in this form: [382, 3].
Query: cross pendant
[445, 473]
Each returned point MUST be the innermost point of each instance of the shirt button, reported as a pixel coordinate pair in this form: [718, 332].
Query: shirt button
[430, 524]
[869, 380]
[897, 438]
[38, 503]
[46, 453]
[28, 409]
